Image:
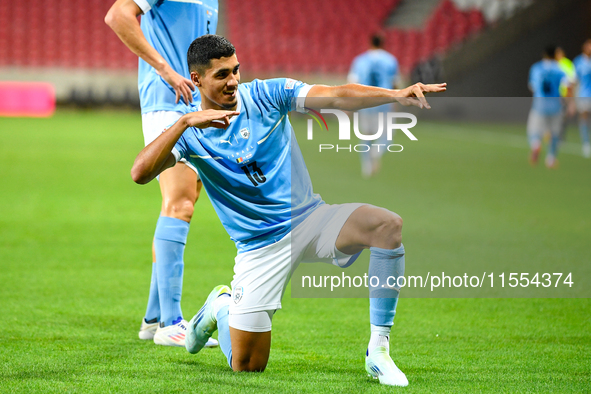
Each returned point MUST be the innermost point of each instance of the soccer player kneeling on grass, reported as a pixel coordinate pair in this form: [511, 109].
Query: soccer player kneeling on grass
[242, 143]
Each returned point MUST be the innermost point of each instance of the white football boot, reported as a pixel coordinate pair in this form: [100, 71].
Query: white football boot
[379, 365]
[204, 323]
[174, 335]
[147, 330]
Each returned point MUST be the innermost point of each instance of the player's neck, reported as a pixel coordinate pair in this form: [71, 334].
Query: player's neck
[208, 104]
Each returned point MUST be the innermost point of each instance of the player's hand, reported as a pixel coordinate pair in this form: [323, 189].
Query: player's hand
[219, 119]
[415, 94]
[181, 85]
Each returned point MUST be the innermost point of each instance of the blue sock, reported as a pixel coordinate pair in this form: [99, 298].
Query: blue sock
[223, 317]
[169, 242]
[555, 139]
[584, 130]
[153, 309]
[383, 264]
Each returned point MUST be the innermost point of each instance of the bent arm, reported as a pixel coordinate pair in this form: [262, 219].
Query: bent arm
[157, 156]
[122, 18]
[351, 97]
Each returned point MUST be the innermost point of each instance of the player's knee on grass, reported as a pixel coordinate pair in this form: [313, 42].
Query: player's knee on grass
[250, 350]
[251, 340]
[250, 364]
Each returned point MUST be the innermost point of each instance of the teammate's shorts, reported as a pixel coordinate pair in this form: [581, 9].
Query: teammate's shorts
[584, 104]
[154, 123]
[538, 124]
[261, 275]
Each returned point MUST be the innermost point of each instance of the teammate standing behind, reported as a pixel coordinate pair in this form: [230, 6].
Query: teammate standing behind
[375, 67]
[583, 68]
[545, 80]
[161, 41]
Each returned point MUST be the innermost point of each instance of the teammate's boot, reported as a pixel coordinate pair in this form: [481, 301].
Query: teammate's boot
[204, 323]
[147, 330]
[587, 150]
[173, 335]
[551, 162]
[379, 365]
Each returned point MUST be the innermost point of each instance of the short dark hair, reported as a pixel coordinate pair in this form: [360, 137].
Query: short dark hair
[550, 51]
[205, 48]
[377, 40]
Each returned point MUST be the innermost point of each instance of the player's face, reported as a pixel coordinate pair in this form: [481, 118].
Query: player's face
[587, 48]
[219, 85]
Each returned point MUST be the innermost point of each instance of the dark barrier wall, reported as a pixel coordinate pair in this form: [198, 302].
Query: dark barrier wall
[497, 63]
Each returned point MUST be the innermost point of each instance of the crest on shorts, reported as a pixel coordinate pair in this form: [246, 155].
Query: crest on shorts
[238, 292]
[245, 133]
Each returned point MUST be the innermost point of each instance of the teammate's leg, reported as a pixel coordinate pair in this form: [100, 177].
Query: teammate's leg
[180, 190]
[584, 131]
[152, 318]
[554, 123]
[250, 350]
[534, 136]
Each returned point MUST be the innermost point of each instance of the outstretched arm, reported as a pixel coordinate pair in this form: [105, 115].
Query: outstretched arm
[157, 157]
[122, 18]
[353, 96]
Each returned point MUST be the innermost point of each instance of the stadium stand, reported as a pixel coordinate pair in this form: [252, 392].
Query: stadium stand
[271, 36]
[317, 38]
[69, 40]
[69, 34]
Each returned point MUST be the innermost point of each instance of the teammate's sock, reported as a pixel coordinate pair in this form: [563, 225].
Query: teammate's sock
[584, 130]
[223, 317]
[380, 336]
[553, 150]
[169, 243]
[387, 265]
[153, 309]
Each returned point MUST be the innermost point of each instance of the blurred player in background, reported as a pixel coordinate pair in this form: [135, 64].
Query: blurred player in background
[161, 41]
[568, 67]
[379, 68]
[262, 192]
[545, 81]
[583, 69]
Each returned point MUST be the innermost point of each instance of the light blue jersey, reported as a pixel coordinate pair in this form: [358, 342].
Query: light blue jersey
[253, 171]
[375, 67]
[545, 80]
[170, 26]
[583, 68]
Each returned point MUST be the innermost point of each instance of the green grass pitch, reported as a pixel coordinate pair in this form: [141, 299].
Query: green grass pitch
[75, 236]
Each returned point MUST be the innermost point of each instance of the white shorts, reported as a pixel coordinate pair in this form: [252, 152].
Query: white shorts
[261, 275]
[584, 104]
[154, 123]
[538, 124]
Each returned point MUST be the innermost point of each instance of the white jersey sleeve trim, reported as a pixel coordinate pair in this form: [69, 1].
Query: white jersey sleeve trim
[301, 99]
[144, 5]
[176, 154]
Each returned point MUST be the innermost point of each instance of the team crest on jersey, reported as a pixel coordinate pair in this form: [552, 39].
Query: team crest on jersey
[238, 292]
[289, 83]
[245, 133]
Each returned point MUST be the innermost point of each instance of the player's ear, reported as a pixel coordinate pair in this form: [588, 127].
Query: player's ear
[196, 78]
